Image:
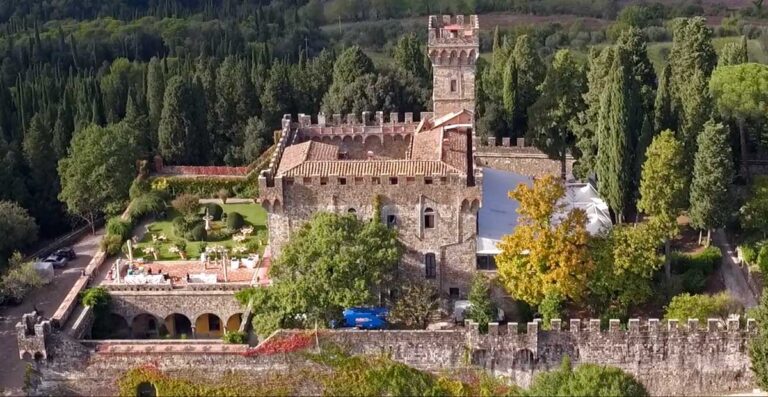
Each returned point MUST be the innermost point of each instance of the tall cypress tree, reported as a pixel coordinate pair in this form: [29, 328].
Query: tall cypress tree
[599, 68]
[181, 123]
[509, 91]
[64, 127]
[713, 172]
[664, 115]
[156, 81]
[614, 160]
[530, 74]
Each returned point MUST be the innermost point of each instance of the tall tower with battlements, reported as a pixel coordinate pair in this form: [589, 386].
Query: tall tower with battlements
[454, 45]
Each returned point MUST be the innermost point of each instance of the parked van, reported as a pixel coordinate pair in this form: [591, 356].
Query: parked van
[366, 317]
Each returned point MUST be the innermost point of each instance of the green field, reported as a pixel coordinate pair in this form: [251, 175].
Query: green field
[253, 214]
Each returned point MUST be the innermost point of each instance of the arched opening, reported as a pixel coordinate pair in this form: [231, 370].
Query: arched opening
[110, 326]
[352, 211]
[38, 356]
[145, 326]
[178, 326]
[234, 322]
[26, 356]
[429, 218]
[208, 326]
[146, 389]
[523, 360]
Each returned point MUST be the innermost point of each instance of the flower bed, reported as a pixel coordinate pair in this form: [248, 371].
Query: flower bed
[288, 344]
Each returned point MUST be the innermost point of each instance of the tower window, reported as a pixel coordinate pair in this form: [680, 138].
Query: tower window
[453, 85]
[391, 220]
[430, 266]
[429, 218]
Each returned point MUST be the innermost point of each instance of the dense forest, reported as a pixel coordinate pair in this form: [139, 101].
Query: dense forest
[206, 81]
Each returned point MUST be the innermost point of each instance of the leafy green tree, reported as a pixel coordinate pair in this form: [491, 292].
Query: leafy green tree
[585, 380]
[734, 53]
[416, 305]
[18, 229]
[98, 171]
[754, 213]
[702, 307]
[614, 139]
[409, 56]
[481, 309]
[332, 262]
[121, 78]
[277, 98]
[663, 185]
[555, 113]
[42, 183]
[758, 344]
[182, 135]
[530, 74]
[137, 121]
[350, 66]
[256, 139]
[20, 279]
[712, 176]
[236, 102]
[740, 93]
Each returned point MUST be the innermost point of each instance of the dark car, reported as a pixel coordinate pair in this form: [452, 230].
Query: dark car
[67, 252]
[56, 260]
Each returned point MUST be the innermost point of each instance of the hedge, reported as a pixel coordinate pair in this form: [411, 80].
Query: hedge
[235, 221]
[215, 211]
[705, 261]
[210, 187]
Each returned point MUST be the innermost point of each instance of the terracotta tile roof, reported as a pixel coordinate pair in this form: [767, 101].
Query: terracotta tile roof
[454, 147]
[426, 145]
[295, 155]
[370, 167]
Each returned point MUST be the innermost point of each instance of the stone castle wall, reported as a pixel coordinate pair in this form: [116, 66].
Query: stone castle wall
[668, 358]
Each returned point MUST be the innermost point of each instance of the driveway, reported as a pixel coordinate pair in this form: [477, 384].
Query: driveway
[734, 279]
[47, 300]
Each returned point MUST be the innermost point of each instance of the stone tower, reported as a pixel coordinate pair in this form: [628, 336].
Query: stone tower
[454, 45]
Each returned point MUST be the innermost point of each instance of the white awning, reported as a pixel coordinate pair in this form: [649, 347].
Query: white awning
[498, 213]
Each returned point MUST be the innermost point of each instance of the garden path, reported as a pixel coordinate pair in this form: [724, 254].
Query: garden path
[730, 269]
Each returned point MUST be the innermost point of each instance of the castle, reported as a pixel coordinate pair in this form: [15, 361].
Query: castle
[422, 171]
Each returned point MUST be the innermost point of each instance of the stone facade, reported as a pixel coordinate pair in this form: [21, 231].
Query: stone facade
[421, 169]
[668, 358]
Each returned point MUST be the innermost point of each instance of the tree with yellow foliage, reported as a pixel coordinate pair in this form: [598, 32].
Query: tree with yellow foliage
[547, 253]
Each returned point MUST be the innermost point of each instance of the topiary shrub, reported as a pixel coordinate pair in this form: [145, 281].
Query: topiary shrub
[215, 211]
[235, 221]
[119, 227]
[197, 233]
[694, 281]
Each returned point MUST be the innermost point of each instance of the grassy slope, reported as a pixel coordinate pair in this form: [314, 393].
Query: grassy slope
[254, 215]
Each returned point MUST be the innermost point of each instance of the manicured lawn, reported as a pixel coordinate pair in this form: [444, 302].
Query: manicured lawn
[253, 214]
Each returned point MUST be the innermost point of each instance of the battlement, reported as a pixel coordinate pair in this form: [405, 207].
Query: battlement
[449, 22]
[585, 327]
[364, 119]
[31, 334]
[454, 32]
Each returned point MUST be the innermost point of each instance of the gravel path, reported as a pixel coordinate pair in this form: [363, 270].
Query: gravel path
[732, 276]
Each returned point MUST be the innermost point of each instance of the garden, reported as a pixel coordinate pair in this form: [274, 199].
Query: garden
[187, 229]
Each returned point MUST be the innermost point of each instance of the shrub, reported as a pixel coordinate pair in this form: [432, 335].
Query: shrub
[139, 187]
[186, 204]
[705, 261]
[209, 187]
[223, 194]
[762, 259]
[215, 211]
[20, 279]
[702, 307]
[235, 337]
[95, 297]
[219, 235]
[419, 301]
[151, 203]
[197, 233]
[235, 221]
[551, 307]
[748, 253]
[253, 245]
[694, 281]
[586, 380]
[112, 243]
[119, 227]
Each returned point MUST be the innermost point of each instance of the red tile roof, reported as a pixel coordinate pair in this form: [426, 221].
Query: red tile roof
[370, 167]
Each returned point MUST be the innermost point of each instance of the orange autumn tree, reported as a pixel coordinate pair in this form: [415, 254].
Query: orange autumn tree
[547, 253]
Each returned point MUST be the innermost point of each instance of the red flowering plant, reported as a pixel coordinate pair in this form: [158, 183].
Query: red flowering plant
[282, 344]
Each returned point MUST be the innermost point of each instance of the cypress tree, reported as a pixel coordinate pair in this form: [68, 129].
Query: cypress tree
[664, 115]
[155, 95]
[713, 172]
[509, 90]
[614, 161]
[178, 132]
[137, 121]
[235, 103]
[734, 53]
[64, 127]
[599, 67]
[530, 74]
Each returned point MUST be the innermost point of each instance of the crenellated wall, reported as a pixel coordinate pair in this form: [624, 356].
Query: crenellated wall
[667, 357]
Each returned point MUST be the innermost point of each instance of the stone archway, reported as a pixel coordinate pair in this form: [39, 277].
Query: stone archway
[178, 325]
[146, 389]
[208, 325]
[146, 326]
[234, 322]
[110, 326]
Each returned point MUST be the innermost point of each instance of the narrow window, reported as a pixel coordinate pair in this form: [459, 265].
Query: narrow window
[359, 180]
[430, 266]
[453, 85]
[427, 181]
[429, 218]
[453, 293]
[323, 181]
[391, 221]
[342, 181]
[393, 181]
[375, 181]
[307, 181]
[214, 324]
[289, 181]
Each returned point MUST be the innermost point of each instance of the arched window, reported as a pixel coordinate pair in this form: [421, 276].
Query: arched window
[430, 266]
[429, 218]
[352, 211]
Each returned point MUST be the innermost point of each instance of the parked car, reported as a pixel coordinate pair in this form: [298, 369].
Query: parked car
[365, 317]
[67, 252]
[460, 308]
[56, 260]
